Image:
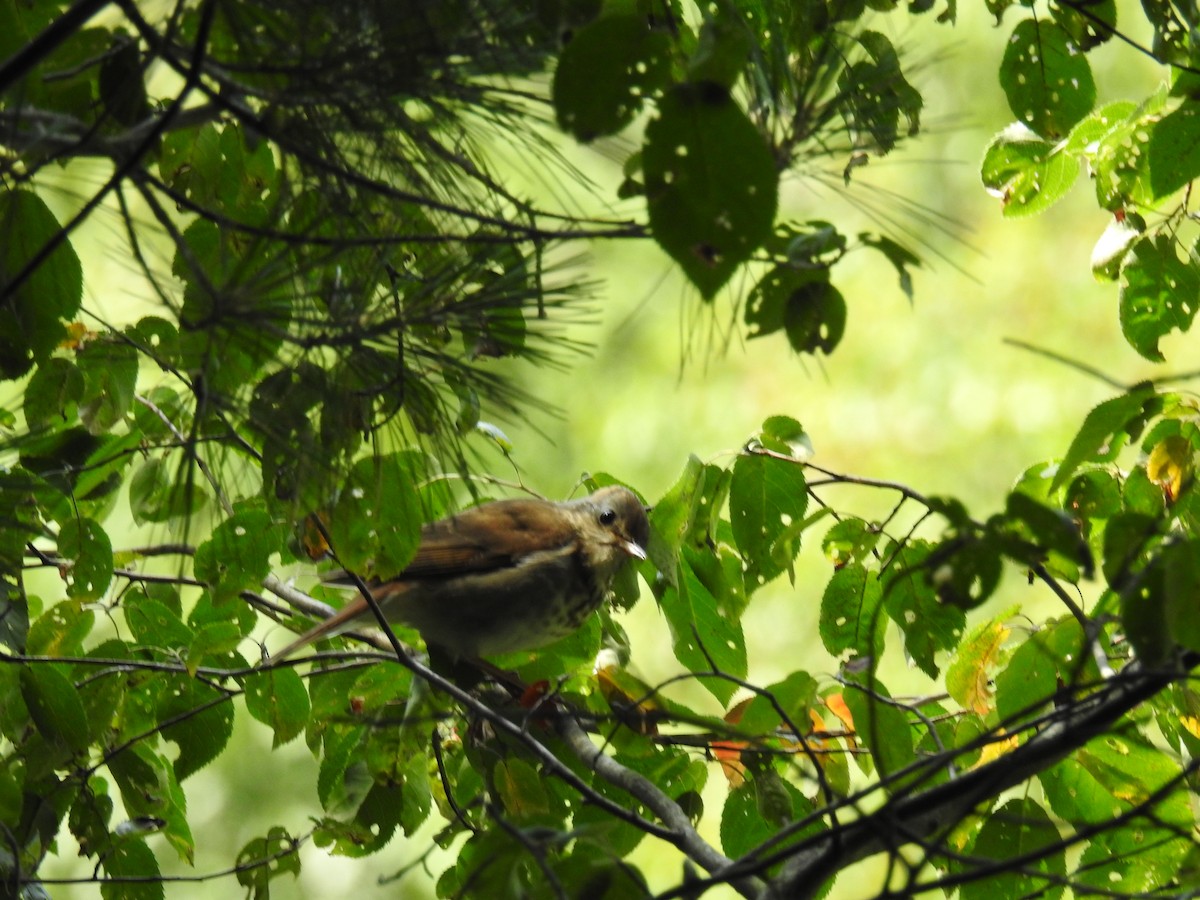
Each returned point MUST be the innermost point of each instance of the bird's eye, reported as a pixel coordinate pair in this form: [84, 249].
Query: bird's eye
[607, 517]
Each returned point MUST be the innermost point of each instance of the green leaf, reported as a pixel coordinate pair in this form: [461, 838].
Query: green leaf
[744, 826]
[61, 630]
[89, 819]
[376, 523]
[206, 612]
[213, 641]
[1127, 540]
[1047, 81]
[343, 781]
[214, 167]
[815, 318]
[1174, 151]
[149, 788]
[237, 555]
[705, 218]
[784, 429]
[928, 625]
[724, 48]
[265, 858]
[520, 789]
[1113, 246]
[1129, 862]
[158, 339]
[877, 94]
[87, 468]
[815, 244]
[803, 303]
[1119, 159]
[54, 705]
[154, 624]
[850, 540]
[605, 73]
[1093, 495]
[1089, 26]
[1018, 829]
[198, 718]
[374, 823]
[134, 870]
[897, 254]
[1113, 774]
[122, 84]
[53, 394]
[32, 312]
[703, 635]
[109, 366]
[686, 513]
[1102, 432]
[1027, 174]
[757, 809]
[850, 614]
[1159, 293]
[1052, 537]
[86, 544]
[767, 501]
[1180, 562]
[276, 697]
[972, 570]
[14, 618]
[882, 727]
[969, 678]
[1090, 130]
[794, 695]
[1036, 670]
[156, 494]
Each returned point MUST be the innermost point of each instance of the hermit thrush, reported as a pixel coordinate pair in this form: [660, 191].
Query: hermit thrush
[503, 576]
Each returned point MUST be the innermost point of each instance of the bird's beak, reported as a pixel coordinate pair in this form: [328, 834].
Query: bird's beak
[632, 549]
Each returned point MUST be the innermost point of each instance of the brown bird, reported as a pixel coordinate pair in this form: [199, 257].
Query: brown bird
[504, 576]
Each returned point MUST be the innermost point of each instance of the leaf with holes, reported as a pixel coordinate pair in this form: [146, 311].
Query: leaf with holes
[767, 500]
[702, 634]
[882, 727]
[1027, 174]
[1020, 829]
[53, 393]
[237, 556]
[32, 312]
[1047, 81]
[708, 219]
[1159, 293]
[1174, 151]
[86, 544]
[1103, 432]
[850, 616]
[605, 73]
[376, 522]
[928, 624]
[277, 698]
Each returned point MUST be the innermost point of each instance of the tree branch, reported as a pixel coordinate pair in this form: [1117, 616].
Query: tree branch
[910, 817]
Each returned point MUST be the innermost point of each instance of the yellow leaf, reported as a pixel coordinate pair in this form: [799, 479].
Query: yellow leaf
[996, 749]
[1170, 464]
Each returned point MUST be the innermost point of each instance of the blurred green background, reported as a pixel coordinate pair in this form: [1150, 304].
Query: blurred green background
[926, 393]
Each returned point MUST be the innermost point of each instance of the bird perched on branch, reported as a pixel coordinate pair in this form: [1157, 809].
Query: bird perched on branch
[504, 576]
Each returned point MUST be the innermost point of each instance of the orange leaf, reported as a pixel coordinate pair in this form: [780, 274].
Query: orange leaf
[630, 699]
[837, 706]
[729, 755]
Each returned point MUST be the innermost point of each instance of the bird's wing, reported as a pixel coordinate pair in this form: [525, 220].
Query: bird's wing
[493, 536]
